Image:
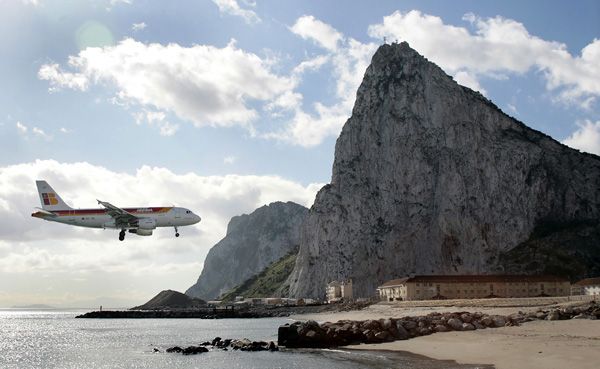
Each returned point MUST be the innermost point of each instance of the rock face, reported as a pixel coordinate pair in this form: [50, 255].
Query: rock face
[252, 243]
[431, 177]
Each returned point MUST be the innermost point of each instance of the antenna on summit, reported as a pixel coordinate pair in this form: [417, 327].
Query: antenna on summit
[384, 40]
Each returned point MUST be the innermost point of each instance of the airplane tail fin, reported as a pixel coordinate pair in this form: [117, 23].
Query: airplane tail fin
[49, 198]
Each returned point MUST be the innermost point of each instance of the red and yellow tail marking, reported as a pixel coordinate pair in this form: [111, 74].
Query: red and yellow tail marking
[49, 198]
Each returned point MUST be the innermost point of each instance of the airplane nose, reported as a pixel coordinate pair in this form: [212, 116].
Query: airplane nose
[197, 218]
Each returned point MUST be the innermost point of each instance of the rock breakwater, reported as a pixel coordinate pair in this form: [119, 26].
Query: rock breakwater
[349, 332]
[225, 345]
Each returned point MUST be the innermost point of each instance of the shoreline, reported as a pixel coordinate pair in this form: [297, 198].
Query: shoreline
[534, 345]
[559, 344]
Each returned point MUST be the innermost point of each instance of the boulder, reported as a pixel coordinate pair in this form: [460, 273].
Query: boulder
[383, 336]
[553, 315]
[194, 350]
[486, 320]
[455, 324]
[468, 327]
[499, 321]
[402, 332]
[441, 328]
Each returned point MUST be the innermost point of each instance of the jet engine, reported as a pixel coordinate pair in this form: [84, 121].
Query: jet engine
[147, 224]
[145, 227]
[143, 232]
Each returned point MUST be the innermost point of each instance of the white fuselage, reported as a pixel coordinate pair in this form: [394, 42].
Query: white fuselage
[99, 218]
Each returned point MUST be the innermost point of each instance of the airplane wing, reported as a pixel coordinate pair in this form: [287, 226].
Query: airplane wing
[122, 218]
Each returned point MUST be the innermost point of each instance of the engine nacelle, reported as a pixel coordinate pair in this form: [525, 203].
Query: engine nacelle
[143, 232]
[147, 224]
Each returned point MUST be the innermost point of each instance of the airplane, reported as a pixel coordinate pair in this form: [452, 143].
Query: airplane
[140, 221]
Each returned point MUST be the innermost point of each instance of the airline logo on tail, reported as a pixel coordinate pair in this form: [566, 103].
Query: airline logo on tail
[49, 198]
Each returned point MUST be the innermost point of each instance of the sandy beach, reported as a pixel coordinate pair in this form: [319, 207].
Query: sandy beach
[539, 344]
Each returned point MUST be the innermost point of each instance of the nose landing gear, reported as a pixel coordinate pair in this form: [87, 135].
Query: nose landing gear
[122, 235]
[176, 232]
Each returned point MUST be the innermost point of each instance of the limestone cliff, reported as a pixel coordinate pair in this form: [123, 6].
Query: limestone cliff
[252, 243]
[431, 177]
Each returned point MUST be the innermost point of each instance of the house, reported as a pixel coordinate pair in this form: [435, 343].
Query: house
[338, 291]
[589, 286]
[431, 287]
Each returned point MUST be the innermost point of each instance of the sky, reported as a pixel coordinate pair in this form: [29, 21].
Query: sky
[223, 106]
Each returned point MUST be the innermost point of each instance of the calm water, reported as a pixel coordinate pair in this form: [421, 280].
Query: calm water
[55, 339]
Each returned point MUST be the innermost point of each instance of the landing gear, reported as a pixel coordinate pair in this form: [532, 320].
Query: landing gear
[122, 235]
[176, 232]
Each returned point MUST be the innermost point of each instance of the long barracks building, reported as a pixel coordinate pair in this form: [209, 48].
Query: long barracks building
[431, 287]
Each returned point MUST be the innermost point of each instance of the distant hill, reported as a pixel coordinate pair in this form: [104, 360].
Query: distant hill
[169, 299]
[33, 306]
[270, 282]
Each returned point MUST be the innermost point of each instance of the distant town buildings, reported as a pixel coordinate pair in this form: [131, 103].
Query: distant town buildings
[339, 291]
[589, 286]
[431, 287]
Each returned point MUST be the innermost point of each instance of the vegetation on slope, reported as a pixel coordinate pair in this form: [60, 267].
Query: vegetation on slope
[270, 282]
[565, 250]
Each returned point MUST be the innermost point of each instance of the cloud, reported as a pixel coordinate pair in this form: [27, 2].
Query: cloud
[497, 46]
[229, 159]
[157, 119]
[348, 59]
[138, 26]
[22, 128]
[323, 34]
[32, 246]
[586, 137]
[59, 78]
[37, 132]
[467, 79]
[233, 8]
[206, 85]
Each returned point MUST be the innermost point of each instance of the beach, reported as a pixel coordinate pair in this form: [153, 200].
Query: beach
[557, 344]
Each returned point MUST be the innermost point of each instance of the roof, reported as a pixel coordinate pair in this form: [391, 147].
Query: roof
[588, 281]
[394, 282]
[473, 279]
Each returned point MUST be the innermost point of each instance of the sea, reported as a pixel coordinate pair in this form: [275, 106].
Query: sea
[55, 339]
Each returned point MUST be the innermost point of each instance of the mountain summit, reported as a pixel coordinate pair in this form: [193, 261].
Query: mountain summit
[431, 177]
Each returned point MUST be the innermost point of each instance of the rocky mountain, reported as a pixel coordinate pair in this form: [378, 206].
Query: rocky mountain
[252, 243]
[431, 177]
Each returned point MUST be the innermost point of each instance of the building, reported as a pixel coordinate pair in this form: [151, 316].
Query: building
[431, 287]
[589, 286]
[338, 291]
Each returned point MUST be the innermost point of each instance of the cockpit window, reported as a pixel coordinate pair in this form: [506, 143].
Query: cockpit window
[187, 211]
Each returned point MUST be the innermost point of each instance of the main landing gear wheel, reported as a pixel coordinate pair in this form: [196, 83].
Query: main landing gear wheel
[122, 235]
[176, 232]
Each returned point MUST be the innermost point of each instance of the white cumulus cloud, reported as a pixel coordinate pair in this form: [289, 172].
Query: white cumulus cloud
[202, 84]
[233, 8]
[496, 46]
[586, 137]
[138, 26]
[31, 246]
[308, 27]
[348, 59]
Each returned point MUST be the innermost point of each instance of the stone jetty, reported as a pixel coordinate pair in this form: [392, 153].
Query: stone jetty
[348, 332]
